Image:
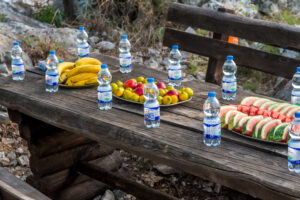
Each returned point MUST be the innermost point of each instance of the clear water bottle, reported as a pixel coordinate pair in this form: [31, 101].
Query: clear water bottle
[52, 73]
[294, 145]
[125, 55]
[295, 97]
[17, 64]
[104, 89]
[211, 122]
[83, 47]
[174, 69]
[151, 105]
[229, 84]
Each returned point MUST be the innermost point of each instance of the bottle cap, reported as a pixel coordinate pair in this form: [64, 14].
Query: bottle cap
[124, 36]
[52, 52]
[298, 69]
[81, 28]
[229, 57]
[211, 94]
[175, 47]
[297, 114]
[150, 80]
[104, 66]
[16, 43]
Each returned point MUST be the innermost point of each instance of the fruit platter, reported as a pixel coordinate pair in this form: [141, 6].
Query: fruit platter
[260, 119]
[132, 91]
[81, 74]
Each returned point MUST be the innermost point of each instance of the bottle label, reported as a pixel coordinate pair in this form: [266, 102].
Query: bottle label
[17, 68]
[152, 114]
[229, 86]
[52, 79]
[294, 155]
[295, 97]
[174, 74]
[83, 51]
[212, 131]
[105, 96]
[125, 61]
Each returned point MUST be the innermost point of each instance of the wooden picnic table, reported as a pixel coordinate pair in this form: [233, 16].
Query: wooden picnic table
[255, 168]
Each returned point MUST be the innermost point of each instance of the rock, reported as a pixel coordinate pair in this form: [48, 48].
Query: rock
[151, 63]
[217, 188]
[289, 53]
[212, 4]
[93, 40]
[26, 7]
[23, 160]
[109, 195]
[8, 140]
[97, 197]
[154, 53]
[19, 150]
[165, 62]
[200, 76]
[13, 163]
[3, 70]
[189, 78]
[190, 30]
[207, 189]
[12, 155]
[106, 45]
[165, 169]
[2, 155]
[191, 2]
[138, 60]
[285, 92]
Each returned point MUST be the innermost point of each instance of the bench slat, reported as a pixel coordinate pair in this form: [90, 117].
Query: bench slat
[271, 33]
[243, 56]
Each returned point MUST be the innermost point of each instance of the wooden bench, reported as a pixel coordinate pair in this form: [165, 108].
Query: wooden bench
[217, 48]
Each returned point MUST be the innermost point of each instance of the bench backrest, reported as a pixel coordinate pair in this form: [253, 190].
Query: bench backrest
[279, 35]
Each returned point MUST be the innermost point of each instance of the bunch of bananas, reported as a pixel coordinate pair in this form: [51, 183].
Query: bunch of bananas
[83, 72]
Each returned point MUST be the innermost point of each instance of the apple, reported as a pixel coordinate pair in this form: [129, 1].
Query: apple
[140, 85]
[130, 84]
[161, 85]
[172, 92]
[139, 91]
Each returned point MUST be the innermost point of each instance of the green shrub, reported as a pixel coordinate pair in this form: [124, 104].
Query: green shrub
[50, 15]
[3, 18]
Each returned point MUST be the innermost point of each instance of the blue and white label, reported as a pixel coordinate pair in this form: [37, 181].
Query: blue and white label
[52, 79]
[295, 97]
[152, 114]
[174, 74]
[105, 96]
[212, 131]
[83, 51]
[17, 68]
[125, 61]
[229, 86]
[294, 155]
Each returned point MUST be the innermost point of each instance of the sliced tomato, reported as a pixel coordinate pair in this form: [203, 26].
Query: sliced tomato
[275, 114]
[245, 109]
[260, 112]
[239, 107]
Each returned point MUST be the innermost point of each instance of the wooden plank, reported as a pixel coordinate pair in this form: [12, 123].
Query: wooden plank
[244, 56]
[12, 188]
[260, 174]
[266, 32]
[125, 184]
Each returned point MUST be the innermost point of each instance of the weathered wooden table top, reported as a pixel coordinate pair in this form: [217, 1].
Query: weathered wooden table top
[255, 168]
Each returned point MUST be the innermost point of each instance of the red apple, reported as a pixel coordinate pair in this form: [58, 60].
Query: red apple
[161, 85]
[130, 84]
[172, 92]
[139, 91]
[140, 85]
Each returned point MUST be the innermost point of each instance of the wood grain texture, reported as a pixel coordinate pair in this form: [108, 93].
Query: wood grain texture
[266, 32]
[243, 56]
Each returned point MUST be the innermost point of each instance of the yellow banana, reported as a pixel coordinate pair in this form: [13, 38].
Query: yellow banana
[91, 81]
[64, 66]
[69, 83]
[79, 83]
[82, 77]
[63, 76]
[83, 69]
[87, 61]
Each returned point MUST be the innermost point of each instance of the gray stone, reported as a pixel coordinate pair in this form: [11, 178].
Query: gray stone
[151, 63]
[108, 195]
[12, 155]
[189, 78]
[4, 70]
[165, 169]
[97, 197]
[217, 188]
[23, 160]
[285, 92]
[190, 30]
[13, 163]
[4, 118]
[200, 76]
[138, 60]
[165, 62]
[207, 189]
[289, 53]
[2, 155]
[93, 40]
[106, 45]
[19, 150]
[154, 53]
[212, 4]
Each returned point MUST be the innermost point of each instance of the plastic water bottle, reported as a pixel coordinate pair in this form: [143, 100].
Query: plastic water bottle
[52, 73]
[212, 122]
[174, 70]
[151, 105]
[17, 64]
[125, 55]
[295, 97]
[294, 145]
[229, 80]
[104, 89]
[83, 48]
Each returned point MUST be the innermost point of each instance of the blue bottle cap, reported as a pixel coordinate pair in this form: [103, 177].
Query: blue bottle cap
[81, 28]
[229, 57]
[297, 114]
[175, 47]
[211, 94]
[16, 43]
[104, 66]
[124, 36]
[150, 80]
[52, 52]
[298, 69]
